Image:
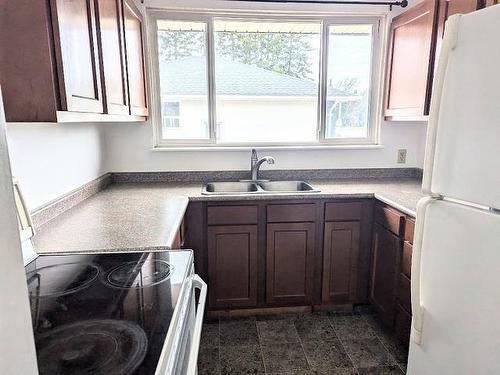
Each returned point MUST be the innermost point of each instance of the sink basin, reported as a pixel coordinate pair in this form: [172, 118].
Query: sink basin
[258, 187]
[236, 187]
[287, 186]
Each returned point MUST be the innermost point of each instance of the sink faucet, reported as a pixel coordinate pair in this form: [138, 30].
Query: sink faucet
[255, 164]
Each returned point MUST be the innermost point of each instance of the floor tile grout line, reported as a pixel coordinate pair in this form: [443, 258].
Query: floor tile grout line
[385, 346]
[259, 339]
[302, 346]
[343, 346]
[219, 364]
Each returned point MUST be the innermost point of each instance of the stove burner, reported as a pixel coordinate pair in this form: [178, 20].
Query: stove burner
[54, 281]
[139, 274]
[92, 347]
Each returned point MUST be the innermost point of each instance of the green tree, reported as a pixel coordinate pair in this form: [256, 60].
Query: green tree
[174, 45]
[285, 53]
[354, 112]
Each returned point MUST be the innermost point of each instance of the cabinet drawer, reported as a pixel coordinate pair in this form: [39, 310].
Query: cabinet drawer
[232, 215]
[390, 219]
[402, 325]
[406, 259]
[283, 213]
[404, 293]
[343, 211]
[409, 230]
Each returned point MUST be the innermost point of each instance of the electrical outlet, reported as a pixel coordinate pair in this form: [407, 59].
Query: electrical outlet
[402, 156]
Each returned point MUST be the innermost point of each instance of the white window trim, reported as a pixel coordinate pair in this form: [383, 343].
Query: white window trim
[379, 23]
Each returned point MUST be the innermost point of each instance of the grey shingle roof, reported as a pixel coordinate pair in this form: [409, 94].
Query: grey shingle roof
[188, 77]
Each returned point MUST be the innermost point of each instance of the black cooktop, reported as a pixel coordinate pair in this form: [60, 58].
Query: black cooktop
[103, 313]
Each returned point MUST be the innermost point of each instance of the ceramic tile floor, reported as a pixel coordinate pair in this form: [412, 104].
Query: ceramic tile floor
[312, 344]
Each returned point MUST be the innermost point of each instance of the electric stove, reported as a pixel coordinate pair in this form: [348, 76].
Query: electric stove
[104, 313]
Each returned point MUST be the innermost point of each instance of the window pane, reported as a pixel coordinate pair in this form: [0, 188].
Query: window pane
[183, 79]
[266, 79]
[348, 81]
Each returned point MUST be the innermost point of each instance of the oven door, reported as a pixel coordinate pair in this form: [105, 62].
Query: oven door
[180, 352]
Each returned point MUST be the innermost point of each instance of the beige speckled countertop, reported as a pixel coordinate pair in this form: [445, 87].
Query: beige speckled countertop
[147, 216]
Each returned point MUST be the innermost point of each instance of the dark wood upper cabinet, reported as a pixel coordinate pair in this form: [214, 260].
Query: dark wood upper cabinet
[232, 266]
[415, 42]
[135, 59]
[386, 250]
[340, 262]
[65, 61]
[489, 3]
[410, 63]
[290, 263]
[77, 56]
[112, 49]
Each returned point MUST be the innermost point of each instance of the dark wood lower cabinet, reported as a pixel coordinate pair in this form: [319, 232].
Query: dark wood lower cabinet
[386, 250]
[290, 263]
[340, 262]
[232, 266]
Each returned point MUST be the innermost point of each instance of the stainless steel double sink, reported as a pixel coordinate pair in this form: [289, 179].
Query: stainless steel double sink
[256, 187]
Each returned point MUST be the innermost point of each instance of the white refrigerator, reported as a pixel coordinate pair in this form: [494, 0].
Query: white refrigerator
[456, 259]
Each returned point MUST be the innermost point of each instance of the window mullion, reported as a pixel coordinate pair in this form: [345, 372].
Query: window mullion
[323, 84]
[211, 81]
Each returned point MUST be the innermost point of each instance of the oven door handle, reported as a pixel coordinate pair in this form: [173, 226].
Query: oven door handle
[197, 283]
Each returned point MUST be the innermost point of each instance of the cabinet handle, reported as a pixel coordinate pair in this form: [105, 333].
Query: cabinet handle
[449, 43]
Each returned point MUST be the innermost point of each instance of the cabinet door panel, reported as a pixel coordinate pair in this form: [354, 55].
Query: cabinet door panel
[411, 62]
[232, 266]
[340, 262]
[290, 262]
[135, 59]
[113, 67]
[386, 249]
[80, 81]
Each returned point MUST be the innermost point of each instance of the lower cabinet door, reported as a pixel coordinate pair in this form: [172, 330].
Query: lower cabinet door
[340, 262]
[386, 249]
[290, 263]
[402, 325]
[232, 266]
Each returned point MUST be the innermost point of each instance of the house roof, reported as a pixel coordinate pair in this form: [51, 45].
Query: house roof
[187, 76]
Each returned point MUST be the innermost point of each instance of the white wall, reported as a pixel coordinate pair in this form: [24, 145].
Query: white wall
[50, 160]
[129, 148]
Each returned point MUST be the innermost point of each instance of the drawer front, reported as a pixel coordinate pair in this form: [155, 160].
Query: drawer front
[343, 211]
[409, 230]
[406, 259]
[390, 219]
[404, 293]
[289, 213]
[232, 215]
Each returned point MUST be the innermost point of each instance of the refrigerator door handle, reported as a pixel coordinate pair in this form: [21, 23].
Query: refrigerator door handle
[198, 283]
[416, 270]
[448, 44]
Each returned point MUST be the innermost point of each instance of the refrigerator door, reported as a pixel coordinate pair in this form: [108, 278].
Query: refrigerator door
[459, 292]
[462, 156]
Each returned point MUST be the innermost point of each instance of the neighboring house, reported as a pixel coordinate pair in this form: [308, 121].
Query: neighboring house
[249, 98]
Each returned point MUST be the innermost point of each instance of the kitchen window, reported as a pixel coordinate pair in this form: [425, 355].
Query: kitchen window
[248, 81]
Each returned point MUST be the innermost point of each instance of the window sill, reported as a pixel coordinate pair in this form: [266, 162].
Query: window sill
[277, 148]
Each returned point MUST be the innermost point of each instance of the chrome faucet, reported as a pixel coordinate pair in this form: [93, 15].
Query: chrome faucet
[255, 164]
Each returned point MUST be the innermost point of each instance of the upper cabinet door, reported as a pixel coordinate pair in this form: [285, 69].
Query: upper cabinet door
[112, 49]
[135, 59]
[411, 62]
[78, 61]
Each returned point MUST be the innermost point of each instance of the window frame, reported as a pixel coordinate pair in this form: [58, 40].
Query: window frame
[378, 23]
